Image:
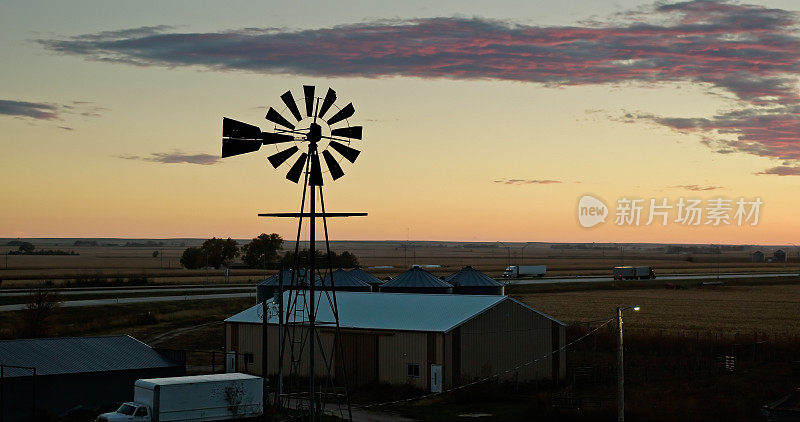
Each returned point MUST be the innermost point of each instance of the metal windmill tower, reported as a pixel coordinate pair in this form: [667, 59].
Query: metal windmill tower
[307, 391]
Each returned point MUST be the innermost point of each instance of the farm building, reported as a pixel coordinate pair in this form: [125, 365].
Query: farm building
[367, 277]
[88, 372]
[470, 281]
[404, 338]
[416, 280]
[779, 256]
[758, 256]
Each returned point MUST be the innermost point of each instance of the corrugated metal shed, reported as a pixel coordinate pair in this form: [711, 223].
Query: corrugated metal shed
[394, 311]
[365, 276]
[71, 355]
[346, 282]
[416, 280]
[468, 280]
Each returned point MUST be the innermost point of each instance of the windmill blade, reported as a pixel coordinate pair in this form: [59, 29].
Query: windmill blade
[236, 146]
[316, 171]
[344, 113]
[291, 105]
[268, 138]
[330, 98]
[333, 165]
[236, 129]
[308, 90]
[280, 157]
[297, 168]
[349, 153]
[275, 117]
[353, 132]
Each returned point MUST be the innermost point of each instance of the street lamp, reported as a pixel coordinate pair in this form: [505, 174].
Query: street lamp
[522, 254]
[620, 367]
[508, 249]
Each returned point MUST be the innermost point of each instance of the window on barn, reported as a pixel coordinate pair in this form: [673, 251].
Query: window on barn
[412, 370]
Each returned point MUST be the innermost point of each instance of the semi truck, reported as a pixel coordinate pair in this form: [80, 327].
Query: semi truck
[633, 273]
[216, 397]
[516, 271]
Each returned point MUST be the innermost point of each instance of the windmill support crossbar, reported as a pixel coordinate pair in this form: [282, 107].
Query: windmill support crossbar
[316, 215]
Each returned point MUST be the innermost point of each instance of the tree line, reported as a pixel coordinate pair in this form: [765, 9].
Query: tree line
[262, 251]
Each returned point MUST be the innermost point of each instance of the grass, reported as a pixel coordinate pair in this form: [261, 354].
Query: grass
[142, 321]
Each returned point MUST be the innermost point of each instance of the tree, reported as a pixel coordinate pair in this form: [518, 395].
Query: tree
[344, 260]
[36, 317]
[262, 250]
[218, 252]
[155, 254]
[26, 247]
[348, 260]
[191, 258]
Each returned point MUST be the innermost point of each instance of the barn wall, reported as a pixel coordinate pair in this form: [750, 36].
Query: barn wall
[398, 350]
[502, 338]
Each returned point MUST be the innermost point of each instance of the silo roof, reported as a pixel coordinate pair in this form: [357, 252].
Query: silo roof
[416, 277]
[364, 276]
[469, 276]
[342, 278]
[273, 280]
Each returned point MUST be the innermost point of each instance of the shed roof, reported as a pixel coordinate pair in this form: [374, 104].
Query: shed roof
[469, 276]
[342, 278]
[66, 355]
[416, 277]
[364, 276]
[395, 311]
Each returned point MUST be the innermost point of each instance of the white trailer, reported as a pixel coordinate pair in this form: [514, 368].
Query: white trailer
[217, 397]
[516, 271]
[633, 273]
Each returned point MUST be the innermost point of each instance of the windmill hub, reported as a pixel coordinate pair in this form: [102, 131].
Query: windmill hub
[314, 133]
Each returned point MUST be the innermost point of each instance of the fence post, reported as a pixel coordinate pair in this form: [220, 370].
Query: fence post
[33, 410]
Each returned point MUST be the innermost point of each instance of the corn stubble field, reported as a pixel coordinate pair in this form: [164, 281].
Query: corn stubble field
[673, 344]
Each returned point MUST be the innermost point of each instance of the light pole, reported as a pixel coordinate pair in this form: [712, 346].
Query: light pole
[522, 254]
[508, 249]
[620, 366]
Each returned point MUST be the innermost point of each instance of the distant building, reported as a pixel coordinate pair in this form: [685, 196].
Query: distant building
[404, 338]
[758, 256]
[72, 372]
[779, 256]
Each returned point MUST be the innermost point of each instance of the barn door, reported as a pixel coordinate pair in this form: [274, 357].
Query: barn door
[436, 378]
[360, 359]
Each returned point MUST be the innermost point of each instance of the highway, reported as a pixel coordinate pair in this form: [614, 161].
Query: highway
[86, 291]
[130, 300]
[676, 277]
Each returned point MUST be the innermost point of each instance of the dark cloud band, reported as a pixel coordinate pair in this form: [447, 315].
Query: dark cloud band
[175, 157]
[751, 52]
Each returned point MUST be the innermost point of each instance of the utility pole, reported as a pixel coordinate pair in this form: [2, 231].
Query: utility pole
[620, 371]
[620, 365]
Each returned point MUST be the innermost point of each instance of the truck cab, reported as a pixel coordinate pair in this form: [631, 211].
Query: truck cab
[128, 411]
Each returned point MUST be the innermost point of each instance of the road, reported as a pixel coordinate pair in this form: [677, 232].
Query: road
[86, 291]
[681, 277]
[129, 300]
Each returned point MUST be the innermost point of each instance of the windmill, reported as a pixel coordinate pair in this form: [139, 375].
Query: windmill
[310, 135]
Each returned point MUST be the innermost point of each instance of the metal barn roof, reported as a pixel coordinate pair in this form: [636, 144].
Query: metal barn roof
[342, 278]
[469, 276]
[365, 276]
[67, 355]
[416, 277]
[395, 311]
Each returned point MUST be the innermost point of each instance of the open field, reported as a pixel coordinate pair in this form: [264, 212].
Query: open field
[127, 262]
[768, 309]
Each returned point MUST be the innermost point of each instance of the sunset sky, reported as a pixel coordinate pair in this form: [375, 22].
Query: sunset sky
[482, 120]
